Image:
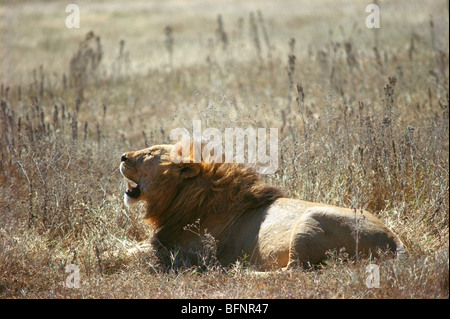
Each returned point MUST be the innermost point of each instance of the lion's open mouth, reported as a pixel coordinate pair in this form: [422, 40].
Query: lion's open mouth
[134, 190]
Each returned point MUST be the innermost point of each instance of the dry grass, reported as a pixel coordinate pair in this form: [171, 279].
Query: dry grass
[371, 131]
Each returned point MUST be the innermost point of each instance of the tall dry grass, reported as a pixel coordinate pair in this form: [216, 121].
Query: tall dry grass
[363, 123]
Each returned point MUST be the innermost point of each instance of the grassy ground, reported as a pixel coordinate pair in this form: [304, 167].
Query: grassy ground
[371, 133]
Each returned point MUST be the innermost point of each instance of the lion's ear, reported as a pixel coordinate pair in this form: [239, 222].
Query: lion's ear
[190, 170]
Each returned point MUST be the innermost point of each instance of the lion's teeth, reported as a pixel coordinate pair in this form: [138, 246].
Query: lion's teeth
[132, 185]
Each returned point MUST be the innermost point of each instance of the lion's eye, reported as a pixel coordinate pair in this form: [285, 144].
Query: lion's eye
[150, 154]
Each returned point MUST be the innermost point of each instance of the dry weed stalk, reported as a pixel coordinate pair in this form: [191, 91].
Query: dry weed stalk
[221, 34]
[169, 42]
[85, 62]
[254, 35]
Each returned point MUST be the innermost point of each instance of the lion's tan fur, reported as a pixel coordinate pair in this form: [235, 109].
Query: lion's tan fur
[245, 215]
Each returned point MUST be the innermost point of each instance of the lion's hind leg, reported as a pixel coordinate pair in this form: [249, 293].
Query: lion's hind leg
[313, 235]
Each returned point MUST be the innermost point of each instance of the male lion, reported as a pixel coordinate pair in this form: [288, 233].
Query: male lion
[245, 215]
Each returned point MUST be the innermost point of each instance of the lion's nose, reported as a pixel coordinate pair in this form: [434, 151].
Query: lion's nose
[124, 158]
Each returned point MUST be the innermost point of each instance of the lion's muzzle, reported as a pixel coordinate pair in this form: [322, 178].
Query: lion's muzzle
[134, 190]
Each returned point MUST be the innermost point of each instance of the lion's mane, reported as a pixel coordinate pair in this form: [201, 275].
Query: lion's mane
[217, 195]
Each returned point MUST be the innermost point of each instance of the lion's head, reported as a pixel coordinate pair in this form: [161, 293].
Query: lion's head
[179, 194]
[141, 169]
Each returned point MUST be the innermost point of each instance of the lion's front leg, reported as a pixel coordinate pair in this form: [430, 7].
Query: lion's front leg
[142, 247]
